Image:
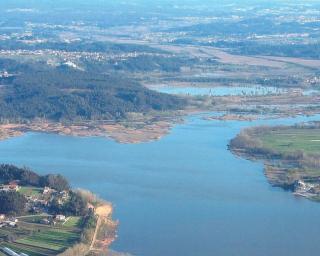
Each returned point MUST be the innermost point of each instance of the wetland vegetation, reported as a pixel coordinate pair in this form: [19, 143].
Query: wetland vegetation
[291, 155]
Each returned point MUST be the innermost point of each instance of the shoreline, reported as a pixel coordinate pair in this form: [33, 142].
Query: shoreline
[98, 244]
[296, 170]
[104, 213]
[129, 133]
[47, 210]
[133, 131]
[143, 128]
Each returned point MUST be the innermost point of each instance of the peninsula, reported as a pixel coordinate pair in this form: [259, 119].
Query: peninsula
[290, 154]
[43, 216]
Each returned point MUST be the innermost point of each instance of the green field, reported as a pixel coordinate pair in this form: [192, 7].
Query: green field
[291, 155]
[292, 139]
[72, 222]
[55, 239]
[31, 251]
[33, 218]
[40, 240]
[31, 191]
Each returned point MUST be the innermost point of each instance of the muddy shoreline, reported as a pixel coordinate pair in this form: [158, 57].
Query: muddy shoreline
[136, 132]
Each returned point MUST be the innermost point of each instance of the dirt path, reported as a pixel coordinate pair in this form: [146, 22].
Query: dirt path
[95, 234]
[103, 213]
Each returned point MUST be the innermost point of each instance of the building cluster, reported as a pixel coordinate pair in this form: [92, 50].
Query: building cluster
[11, 187]
[314, 80]
[306, 189]
[37, 203]
[73, 58]
[53, 220]
[5, 74]
[40, 203]
[8, 221]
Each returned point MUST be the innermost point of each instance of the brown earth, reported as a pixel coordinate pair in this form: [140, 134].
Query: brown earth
[117, 131]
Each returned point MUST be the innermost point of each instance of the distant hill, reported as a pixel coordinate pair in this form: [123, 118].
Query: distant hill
[42, 91]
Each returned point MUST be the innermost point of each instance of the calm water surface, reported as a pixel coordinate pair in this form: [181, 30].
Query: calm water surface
[183, 195]
[228, 90]
[218, 91]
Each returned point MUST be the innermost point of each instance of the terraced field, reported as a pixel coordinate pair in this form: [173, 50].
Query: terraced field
[54, 239]
[41, 240]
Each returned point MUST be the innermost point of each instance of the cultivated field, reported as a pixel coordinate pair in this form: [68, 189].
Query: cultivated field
[40, 240]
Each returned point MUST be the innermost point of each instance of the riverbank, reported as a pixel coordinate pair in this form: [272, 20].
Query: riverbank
[290, 154]
[97, 245]
[137, 130]
[139, 187]
[140, 128]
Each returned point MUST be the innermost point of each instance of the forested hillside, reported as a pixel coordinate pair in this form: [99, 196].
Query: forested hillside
[62, 93]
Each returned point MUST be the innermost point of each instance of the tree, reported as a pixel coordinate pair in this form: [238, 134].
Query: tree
[57, 182]
[76, 205]
[55, 207]
[12, 203]
[25, 176]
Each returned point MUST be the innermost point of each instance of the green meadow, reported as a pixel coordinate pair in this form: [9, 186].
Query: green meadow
[292, 140]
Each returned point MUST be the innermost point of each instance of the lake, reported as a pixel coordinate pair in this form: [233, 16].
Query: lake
[228, 90]
[218, 91]
[185, 194]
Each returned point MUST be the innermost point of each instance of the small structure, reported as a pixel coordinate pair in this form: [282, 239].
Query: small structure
[60, 217]
[48, 191]
[45, 221]
[12, 186]
[4, 74]
[41, 202]
[10, 252]
[90, 207]
[12, 224]
[64, 195]
[302, 187]
[15, 220]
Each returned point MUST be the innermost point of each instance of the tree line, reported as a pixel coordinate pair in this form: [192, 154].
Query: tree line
[27, 177]
[14, 203]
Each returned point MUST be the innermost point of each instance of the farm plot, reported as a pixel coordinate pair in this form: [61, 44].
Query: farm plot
[41, 240]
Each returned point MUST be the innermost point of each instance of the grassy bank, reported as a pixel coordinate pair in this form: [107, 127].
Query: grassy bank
[291, 155]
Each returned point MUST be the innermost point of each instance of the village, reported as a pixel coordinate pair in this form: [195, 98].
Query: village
[37, 203]
[38, 215]
[43, 216]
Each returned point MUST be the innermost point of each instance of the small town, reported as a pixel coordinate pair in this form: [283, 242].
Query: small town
[42, 215]
[37, 203]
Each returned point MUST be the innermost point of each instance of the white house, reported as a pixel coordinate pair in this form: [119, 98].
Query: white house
[60, 217]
